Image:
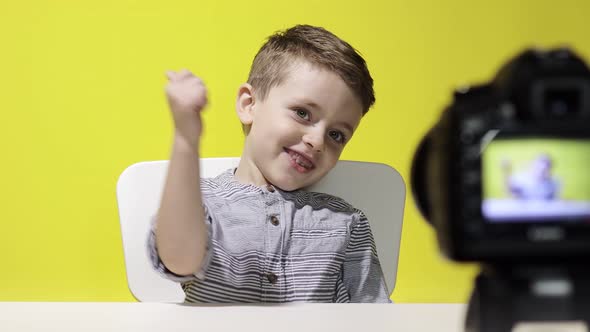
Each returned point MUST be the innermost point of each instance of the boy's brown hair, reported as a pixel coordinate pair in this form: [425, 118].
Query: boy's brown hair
[318, 47]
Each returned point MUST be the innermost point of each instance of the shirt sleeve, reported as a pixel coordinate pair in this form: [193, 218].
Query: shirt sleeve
[362, 273]
[159, 266]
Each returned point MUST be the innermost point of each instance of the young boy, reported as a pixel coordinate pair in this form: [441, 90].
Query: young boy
[534, 183]
[251, 234]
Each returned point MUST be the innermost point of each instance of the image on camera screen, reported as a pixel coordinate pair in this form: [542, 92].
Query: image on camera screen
[536, 180]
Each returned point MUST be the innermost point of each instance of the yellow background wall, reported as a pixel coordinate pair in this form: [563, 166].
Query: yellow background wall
[81, 98]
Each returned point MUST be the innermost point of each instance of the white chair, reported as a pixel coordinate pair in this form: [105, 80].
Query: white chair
[377, 189]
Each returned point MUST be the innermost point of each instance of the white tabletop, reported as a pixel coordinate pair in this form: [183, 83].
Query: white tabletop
[148, 317]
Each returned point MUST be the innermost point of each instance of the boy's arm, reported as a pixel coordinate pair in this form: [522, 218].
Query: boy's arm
[511, 187]
[181, 233]
[362, 273]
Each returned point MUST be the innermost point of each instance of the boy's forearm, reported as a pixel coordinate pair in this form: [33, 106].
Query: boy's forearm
[181, 233]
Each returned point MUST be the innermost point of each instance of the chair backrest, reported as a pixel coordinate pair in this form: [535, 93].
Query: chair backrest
[375, 188]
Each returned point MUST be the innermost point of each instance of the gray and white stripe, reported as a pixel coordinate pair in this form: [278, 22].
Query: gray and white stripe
[276, 246]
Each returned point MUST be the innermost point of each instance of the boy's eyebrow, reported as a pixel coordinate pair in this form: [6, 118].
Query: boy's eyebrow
[311, 104]
[347, 126]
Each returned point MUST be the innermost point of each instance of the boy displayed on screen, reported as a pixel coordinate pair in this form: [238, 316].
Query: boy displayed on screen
[536, 180]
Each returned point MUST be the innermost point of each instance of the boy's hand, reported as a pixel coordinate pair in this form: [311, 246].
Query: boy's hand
[187, 96]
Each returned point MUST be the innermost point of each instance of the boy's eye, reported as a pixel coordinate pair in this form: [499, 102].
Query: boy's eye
[302, 113]
[337, 136]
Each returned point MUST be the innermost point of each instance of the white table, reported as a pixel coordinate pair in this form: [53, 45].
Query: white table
[148, 317]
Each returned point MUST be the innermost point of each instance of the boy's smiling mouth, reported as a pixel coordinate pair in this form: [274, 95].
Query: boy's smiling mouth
[301, 162]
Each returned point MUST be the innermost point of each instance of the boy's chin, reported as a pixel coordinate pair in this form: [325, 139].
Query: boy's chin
[290, 181]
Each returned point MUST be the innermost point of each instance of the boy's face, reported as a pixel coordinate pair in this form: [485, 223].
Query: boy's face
[299, 130]
[542, 168]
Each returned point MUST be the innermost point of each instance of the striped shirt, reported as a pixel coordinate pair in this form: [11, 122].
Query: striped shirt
[269, 245]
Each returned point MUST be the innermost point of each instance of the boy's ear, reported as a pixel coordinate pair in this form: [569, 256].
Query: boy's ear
[245, 104]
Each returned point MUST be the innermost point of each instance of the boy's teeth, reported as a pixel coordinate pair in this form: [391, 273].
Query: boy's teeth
[302, 161]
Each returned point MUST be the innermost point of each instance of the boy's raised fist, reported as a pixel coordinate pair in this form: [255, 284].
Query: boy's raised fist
[187, 96]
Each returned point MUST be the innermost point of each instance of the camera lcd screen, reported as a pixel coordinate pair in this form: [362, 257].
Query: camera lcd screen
[536, 180]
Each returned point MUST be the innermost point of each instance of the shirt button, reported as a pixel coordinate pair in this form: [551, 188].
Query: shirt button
[272, 278]
[274, 220]
[270, 188]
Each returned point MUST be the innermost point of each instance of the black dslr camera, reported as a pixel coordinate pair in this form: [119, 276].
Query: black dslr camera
[504, 178]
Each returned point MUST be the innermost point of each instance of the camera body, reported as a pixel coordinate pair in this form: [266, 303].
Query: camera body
[504, 176]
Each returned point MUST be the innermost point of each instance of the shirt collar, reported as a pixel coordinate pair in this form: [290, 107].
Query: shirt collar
[227, 181]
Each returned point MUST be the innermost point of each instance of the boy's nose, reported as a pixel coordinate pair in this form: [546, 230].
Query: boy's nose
[315, 141]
